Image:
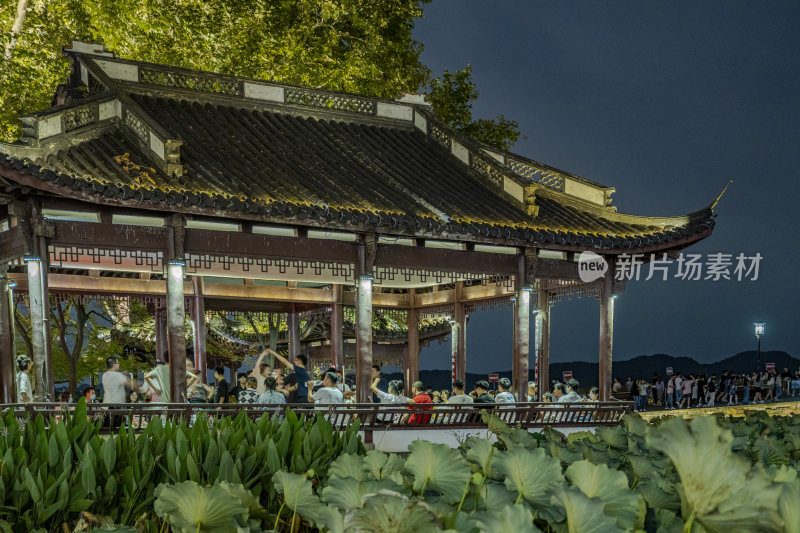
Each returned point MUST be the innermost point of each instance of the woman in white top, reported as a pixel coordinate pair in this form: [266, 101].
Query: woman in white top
[24, 391]
[393, 396]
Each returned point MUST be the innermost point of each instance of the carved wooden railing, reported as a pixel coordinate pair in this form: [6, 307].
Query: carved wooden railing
[372, 417]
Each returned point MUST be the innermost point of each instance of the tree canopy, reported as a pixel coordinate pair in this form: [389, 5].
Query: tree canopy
[356, 46]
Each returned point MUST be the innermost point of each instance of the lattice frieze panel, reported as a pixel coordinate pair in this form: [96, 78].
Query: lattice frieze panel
[538, 175]
[83, 256]
[196, 82]
[76, 118]
[393, 276]
[337, 102]
[440, 136]
[439, 311]
[137, 125]
[590, 290]
[488, 305]
[263, 265]
[488, 169]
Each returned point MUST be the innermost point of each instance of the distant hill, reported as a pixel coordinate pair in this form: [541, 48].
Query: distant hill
[642, 366]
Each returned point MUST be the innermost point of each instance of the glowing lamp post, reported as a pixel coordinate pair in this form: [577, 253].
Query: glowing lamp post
[759, 330]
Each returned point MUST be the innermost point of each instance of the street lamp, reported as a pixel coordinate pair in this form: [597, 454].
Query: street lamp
[759, 326]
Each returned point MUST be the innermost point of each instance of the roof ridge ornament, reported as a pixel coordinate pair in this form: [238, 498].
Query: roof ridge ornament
[724, 190]
[83, 47]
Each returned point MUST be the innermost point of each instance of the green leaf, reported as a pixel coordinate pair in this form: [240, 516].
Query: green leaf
[439, 468]
[348, 465]
[109, 454]
[389, 512]
[718, 489]
[532, 474]
[789, 506]
[299, 498]
[384, 466]
[584, 514]
[481, 452]
[189, 508]
[511, 518]
[610, 486]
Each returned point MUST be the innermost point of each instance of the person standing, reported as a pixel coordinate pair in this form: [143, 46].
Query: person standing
[241, 385]
[420, 398]
[669, 403]
[24, 391]
[301, 374]
[158, 380]
[114, 382]
[261, 371]
[393, 395]
[458, 396]
[482, 388]
[327, 394]
[504, 396]
[249, 394]
[222, 390]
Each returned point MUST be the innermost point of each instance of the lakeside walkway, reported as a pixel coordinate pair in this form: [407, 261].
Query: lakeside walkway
[773, 409]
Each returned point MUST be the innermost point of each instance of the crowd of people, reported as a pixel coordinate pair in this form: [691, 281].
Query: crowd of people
[291, 382]
[679, 391]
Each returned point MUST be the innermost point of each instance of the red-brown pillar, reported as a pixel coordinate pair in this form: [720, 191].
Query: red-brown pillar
[460, 334]
[364, 338]
[8, 389]
[176, 331]
[606, 332]
[161, 331]
[337, 326]
[522, 318]
[199, 312]
[543, 319]
[411, 354]
[293, 323]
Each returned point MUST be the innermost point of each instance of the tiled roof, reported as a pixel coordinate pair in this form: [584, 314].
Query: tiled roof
[325, 169]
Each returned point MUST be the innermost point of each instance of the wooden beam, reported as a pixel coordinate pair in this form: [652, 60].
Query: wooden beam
[13, 244]
[8, 369]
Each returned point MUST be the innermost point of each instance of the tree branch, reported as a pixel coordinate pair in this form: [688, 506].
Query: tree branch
[22, 8]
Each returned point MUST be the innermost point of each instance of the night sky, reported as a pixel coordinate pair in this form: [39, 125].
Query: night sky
[667, 102]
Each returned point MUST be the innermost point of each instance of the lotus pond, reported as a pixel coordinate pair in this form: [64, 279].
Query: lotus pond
[287, 474]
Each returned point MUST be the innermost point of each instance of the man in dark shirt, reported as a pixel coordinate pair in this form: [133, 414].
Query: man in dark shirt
[221, 388]
[481, 387]
[239, 387]
[300, 372]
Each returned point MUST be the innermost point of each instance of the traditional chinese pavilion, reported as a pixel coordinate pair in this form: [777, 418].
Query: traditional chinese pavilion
[196, 192]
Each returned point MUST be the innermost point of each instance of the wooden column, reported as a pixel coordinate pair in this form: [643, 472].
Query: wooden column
[33, 266]
[199, 311]
[293, 324]
[176, 331]
[522, 318]
[8, 370]
[543, 318]
[337, 326]
[161, 332]
[606, 333]
[364, 338]
[411, 363]
[44, 256]
[460, 334]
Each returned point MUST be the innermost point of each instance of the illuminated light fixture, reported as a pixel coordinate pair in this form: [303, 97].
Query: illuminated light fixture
[615, 296]
[759, 327]
[527, 289]
[366, 277]
[177, 262]
[26, 259]
[537, 311]
[12, 284]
